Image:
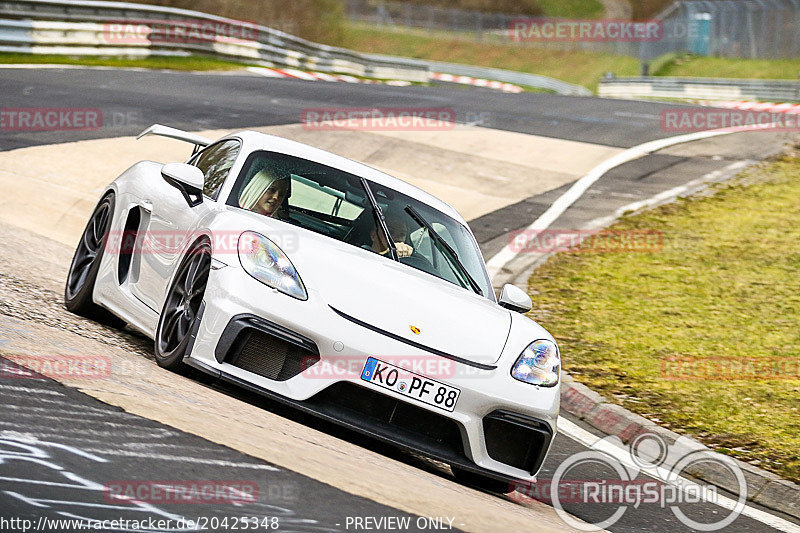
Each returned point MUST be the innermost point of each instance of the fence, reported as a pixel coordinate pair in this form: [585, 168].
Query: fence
[700, 89]
[728, 28]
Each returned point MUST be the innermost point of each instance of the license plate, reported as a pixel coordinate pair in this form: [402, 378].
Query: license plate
[409, 384]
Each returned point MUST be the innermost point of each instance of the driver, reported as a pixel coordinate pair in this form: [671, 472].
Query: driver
[399, 232]
[266, 193]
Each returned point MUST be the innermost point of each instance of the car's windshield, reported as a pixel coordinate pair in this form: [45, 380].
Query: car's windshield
[336, 204]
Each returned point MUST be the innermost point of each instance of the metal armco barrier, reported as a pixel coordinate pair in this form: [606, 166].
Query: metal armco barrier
[701, 89]
[510, 76]
[82, 27]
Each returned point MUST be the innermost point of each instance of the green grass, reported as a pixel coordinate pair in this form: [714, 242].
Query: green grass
[725, 285]
[579, 67]
[723, 67]
[582, 68]
[576, 9]
[172, 63]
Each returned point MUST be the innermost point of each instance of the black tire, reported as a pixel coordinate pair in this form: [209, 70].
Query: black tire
[181, 307]
[482, 482]
[86, 263]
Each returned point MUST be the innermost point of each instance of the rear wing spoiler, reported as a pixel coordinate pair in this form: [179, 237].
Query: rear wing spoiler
[165, 131]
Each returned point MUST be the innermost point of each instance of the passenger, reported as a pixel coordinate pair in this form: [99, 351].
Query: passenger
[399, 232]
[266, 194]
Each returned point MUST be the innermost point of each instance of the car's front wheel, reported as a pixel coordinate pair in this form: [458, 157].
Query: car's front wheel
[482, 482]
[86, 264]
[182, 306]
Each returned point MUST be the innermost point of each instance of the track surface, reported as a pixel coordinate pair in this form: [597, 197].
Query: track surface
[196, 101]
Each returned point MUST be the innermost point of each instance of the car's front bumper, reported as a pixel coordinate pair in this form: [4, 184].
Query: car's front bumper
[500, 427]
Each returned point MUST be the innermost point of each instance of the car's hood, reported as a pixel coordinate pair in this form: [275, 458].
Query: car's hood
[399, 300]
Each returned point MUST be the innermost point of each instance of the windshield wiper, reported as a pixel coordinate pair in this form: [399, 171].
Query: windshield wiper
[381, 219]
[453, 255]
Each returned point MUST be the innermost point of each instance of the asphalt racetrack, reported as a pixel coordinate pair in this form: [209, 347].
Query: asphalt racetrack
[63, 444]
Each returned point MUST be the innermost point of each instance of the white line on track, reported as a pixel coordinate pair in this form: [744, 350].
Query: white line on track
[82, 420]
[557, 208]
[182, 459]
[138, 433]
[670, 194]
[592, 441]
[83, 413]
[29, 389]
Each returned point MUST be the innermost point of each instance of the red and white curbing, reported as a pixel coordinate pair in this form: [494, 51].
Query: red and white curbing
[317, 76]
[768, 107]
[438, 76]
[477, 82]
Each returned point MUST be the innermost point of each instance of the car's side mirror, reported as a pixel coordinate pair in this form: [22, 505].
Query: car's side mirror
[515, 299]
[187, 179]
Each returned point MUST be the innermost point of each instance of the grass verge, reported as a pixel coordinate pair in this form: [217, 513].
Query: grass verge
[723, 67]
[581, 68]
[575, 9]
[153, 62]
[578, 67]
[722, 295]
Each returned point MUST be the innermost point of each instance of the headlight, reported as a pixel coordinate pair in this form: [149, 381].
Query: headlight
[538, 364]
[262, 259]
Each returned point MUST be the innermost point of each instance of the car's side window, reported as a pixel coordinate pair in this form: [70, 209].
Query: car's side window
[215, 162]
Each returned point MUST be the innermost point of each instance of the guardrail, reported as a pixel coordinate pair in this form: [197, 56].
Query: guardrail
[83, 27]
[700, 89]
[510, 76]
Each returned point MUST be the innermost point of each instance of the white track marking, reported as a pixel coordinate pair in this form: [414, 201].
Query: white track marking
[669, 194]
[266, 72]
[557, 208]
[294, 73]
[183, 459]
[28, 389]
[52, 410]
[581, 436]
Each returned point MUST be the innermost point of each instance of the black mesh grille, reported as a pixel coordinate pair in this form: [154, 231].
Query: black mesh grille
[417, 423]
[516, 441]
[270, 357]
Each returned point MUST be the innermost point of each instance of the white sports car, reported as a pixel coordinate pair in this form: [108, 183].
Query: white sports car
[328, 285]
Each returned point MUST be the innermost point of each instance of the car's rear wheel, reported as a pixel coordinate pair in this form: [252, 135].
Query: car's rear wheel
[182, 306]
[482, 482]
[86, 263]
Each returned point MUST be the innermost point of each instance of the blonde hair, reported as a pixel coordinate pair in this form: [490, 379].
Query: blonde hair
[257, 186]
